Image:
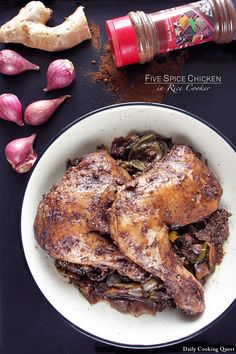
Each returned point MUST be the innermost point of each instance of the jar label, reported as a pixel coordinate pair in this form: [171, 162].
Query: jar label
[184, 26]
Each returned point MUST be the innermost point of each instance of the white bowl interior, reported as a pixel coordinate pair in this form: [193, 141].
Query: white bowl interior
[101, 320]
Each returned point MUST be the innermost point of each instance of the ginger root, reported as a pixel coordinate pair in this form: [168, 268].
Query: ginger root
[29, 28]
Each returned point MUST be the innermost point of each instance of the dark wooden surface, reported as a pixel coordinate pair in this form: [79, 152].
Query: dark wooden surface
[28, 324]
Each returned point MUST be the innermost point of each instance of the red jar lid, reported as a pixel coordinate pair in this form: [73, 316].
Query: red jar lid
[123, 42]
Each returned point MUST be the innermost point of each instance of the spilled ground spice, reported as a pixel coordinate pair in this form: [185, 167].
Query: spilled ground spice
[96, 35]
[128, 84]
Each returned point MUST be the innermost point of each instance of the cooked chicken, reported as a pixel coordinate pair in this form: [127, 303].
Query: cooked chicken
[73, 212]
[176, 191]
[75, 218]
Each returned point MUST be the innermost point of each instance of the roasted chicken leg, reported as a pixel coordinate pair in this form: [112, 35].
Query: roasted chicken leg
[176, 191]
[74, 211]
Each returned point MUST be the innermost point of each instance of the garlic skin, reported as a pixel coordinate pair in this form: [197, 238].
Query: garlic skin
[39, 112]
[11, 108]
[60, 73]
[12, 63]
[20, 154]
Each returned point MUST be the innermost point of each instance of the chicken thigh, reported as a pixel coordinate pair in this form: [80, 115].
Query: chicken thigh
[73, 215]
[176, 191]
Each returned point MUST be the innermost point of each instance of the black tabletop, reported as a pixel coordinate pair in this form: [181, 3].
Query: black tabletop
[28, 323]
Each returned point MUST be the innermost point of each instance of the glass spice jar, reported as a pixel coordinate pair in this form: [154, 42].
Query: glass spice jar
[138, 37]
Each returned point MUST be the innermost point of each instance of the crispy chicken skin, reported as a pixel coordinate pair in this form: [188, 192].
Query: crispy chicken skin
[176, 191]
[73, 212]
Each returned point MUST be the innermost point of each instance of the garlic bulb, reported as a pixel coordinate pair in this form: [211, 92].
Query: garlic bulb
[12, 63]
[11, 108]
[39, 112]
[60, 73]
[20, 154]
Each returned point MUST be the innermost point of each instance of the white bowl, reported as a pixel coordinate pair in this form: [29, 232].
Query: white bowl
[101, 321]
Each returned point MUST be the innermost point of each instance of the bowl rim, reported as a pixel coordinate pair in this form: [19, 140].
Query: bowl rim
[51, 141]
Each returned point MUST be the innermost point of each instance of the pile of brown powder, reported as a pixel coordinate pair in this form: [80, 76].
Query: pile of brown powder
[128, 84]
[96, 35]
